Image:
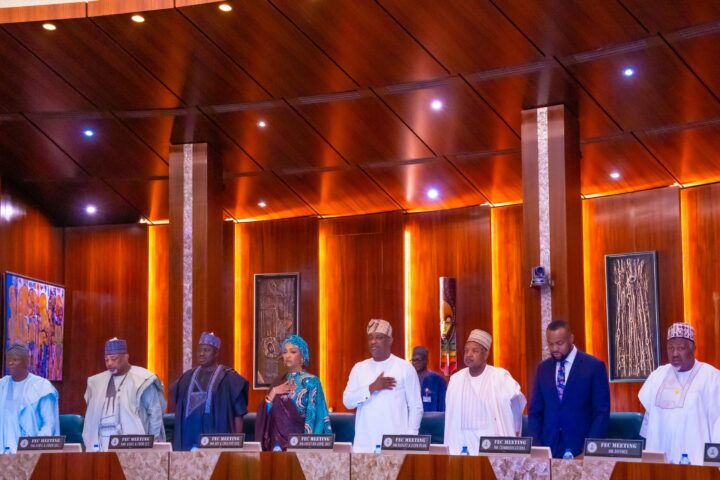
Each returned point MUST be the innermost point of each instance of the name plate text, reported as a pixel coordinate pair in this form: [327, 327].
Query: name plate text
[312, 442]
[26, 444]
[519, 445]
[608, 447]
[415, 443]
[224, 440]
[125, 442]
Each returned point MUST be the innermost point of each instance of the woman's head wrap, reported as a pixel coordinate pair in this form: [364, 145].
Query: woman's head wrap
[298, 341]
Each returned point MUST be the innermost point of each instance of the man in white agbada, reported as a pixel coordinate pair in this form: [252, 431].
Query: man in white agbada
[123, 400]
[681, 400]
[29, 404]
[482, 400]
[385, 390]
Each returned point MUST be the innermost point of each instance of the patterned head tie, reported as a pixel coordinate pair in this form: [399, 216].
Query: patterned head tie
[377, 325]
[298, 341]
[115, 346]
[681, 330]
[481, 337]
[209, 338]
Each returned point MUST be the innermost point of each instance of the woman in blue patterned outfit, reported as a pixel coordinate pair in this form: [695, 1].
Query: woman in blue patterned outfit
[297, 405]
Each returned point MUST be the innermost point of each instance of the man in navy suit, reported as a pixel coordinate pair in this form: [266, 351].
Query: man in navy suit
[570, 397]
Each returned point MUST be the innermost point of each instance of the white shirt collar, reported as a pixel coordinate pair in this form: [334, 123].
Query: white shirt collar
[571, 356]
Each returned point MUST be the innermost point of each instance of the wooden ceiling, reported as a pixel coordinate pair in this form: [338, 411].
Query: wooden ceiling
[344, 91]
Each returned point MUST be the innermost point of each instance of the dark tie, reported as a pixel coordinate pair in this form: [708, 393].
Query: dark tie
[561, 379]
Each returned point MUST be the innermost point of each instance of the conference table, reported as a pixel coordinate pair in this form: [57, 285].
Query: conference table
[213, 464]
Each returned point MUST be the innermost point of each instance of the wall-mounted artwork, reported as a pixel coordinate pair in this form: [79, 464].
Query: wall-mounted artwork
[277, 299]
[632, 315]
[34, 315]
[448, 326]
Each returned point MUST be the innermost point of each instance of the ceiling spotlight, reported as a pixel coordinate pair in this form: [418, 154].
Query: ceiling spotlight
[262, 124]
[614, 175]
[88, 133]
[436, 105]
[628, 72]
[49, 26]
[138, 18]
[91, 209]
[262, 204]
[224, 7]
[433, 193]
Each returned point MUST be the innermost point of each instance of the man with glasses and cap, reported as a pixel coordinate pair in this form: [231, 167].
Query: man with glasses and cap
[123, 400]
[210, 398]
[385, 390]
[29, 404]
[482, 400]
[681, 400]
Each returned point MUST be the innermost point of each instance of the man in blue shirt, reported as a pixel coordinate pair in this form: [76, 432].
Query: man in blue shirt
[432, 385]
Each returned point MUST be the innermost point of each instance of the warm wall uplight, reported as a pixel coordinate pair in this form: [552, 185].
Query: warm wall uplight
[237, 303]
[224, 7]
[138, 18]
[407, 282]
[49, 26]
[496, 287]
[323, 313]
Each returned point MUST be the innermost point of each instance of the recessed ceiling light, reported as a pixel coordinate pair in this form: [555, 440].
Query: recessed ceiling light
[49, 26]
[88, 133]
[225, 7]
[432, 193]
[436, 105]
[629, 72]
[614, 175]
[138, 18]
[262, 204]
[91, 209]
[262, 124]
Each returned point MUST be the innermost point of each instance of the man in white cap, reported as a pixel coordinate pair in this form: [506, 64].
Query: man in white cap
[385, 390]
[122, 400]
[482, 400]
[681, 400]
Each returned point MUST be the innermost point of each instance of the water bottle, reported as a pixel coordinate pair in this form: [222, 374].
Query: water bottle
[568, 454]
[464, 451]
[684, 460]
[377, 449]
[6, 451]
[96, 447]
[277, 448]
[194, 448]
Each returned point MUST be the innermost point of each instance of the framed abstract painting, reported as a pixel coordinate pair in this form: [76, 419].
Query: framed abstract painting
[277, 298]
[632, 315]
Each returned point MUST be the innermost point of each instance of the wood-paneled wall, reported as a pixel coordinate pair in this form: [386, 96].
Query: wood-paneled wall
[701, 247]
[632, 222]
[508, 309]
[278, 246]
[361, 278]
[106, 276]
[451, 243]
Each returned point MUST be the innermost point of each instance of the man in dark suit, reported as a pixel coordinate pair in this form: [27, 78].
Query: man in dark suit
[570, 397]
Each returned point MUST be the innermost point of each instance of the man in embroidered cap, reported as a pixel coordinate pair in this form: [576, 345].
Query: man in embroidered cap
[385, 390]
[482, 400]
[123, 400]
[29, 404]
[681, 400]
[210, 398]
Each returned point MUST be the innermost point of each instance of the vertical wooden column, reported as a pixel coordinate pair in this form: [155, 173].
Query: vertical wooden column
[196, 252]
[552, 224]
